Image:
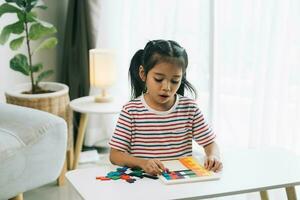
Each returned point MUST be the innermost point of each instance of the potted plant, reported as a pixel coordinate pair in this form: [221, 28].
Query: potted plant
[32, 32]
[29, 29]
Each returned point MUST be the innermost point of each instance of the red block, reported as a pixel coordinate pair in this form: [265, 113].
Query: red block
[102, 178]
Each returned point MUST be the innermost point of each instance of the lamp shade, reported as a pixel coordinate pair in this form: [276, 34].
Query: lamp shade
[102, 72]
[102, 68]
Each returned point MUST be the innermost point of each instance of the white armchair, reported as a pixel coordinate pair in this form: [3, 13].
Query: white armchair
[32, 149]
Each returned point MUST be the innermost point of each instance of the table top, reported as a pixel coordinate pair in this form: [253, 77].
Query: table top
[244, 171]
[87, 105]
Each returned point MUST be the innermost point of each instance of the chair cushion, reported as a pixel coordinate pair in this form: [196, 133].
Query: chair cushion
[32, 148]
[20, 129]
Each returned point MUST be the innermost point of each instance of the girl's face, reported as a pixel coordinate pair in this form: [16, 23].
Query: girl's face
[162, 82]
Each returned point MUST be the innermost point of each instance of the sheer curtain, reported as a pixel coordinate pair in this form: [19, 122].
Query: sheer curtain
[256, 83]
[256, 73]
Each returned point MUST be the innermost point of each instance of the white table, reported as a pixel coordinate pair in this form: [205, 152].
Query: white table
[87, 105]
[244, 171]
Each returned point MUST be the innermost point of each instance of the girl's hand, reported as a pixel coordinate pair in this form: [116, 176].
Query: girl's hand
[153, 166]
[213, 163]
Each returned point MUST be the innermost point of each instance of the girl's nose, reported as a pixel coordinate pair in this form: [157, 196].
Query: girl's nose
[166, 86]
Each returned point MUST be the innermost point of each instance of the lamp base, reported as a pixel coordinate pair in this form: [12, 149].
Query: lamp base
[103, 99]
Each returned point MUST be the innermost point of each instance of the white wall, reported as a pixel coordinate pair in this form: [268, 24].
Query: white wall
[55, 14]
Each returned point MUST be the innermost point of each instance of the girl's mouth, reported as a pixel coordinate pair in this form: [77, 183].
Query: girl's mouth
[164, 96]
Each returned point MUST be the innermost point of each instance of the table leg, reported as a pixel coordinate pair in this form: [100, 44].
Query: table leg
[70, 158]
[61, 179]
[80, 136]
[291, 193]
[19, 197]
[264, 195]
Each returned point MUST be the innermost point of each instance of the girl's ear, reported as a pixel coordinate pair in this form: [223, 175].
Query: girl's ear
[142, 73]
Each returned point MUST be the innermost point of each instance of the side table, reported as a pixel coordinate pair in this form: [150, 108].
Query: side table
[87, 105]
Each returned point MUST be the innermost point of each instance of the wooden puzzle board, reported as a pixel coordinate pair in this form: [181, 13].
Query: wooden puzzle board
[186, 170]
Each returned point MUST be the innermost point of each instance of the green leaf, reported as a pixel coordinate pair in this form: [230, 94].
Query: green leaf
[20, 3]
[30, 17]
[20, 63]
[16, 28]
[37, 67]
[7, 8]
[4, 35]
[37, 31]
[42, 7]
[15, 1]
[16, 43]
[44, 75]
[30, 4]
[47, 44]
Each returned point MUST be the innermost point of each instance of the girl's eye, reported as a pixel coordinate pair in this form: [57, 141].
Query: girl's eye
[158, 80]
[175, 82]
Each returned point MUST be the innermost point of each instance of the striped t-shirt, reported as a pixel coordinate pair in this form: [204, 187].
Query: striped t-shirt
[147, 133]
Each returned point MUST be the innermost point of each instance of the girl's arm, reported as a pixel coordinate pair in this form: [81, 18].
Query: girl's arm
[150, 166]
[213, 160]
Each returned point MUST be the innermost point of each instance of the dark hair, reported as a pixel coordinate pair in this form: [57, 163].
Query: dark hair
[155, 52]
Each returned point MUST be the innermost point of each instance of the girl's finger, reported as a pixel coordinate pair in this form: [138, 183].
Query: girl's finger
[160, 165]
[158, 170]
[210, 164]
[154, 168]
[216, 166]
[206, 163]
[220, 167]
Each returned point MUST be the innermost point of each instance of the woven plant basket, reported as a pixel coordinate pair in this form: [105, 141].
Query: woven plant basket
[56, 102]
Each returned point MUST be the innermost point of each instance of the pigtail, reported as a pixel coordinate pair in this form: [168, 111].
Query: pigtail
[137, 84]
[186, 85]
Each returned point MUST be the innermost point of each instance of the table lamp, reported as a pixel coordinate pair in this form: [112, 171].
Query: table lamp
[102, 72]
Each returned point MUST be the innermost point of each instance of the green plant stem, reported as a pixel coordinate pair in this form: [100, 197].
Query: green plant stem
[33, 86]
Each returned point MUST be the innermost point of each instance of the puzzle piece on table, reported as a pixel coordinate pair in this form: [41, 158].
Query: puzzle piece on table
[121, 173]
[193, 165]
[181, 174]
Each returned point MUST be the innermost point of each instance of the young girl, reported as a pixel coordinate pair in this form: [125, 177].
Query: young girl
[160, 123]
